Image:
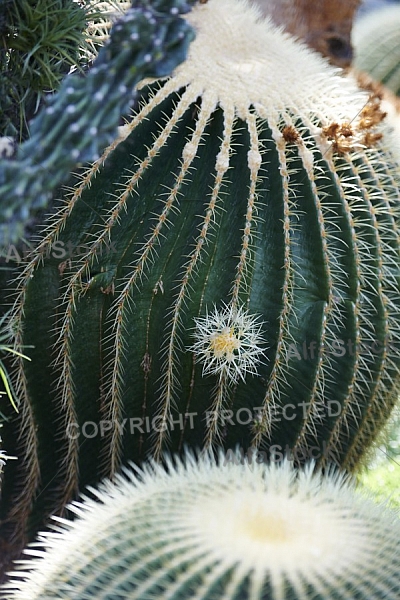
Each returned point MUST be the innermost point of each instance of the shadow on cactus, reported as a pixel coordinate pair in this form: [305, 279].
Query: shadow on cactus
[217, 532]
[226, 273]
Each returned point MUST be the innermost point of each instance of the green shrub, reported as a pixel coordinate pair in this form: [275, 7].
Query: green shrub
[218, 532]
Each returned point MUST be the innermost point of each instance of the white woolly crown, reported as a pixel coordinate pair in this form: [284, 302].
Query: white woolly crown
[243, 59]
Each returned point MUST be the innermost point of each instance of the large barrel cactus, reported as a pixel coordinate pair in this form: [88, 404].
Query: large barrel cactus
[246, 532]
[226, 273]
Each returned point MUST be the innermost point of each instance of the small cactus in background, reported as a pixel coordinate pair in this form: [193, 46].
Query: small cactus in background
[218, 532]
[80, 120]
[226, 272]
[376, 42]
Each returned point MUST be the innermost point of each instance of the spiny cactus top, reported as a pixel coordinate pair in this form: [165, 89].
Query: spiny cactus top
[218, 532]
[377, 46]
[227, 272]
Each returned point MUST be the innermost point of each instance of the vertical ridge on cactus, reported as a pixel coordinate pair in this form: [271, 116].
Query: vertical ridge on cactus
[237, 186]
[217, 529]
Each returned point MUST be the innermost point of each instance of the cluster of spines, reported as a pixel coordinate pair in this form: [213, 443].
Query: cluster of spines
[82, 118]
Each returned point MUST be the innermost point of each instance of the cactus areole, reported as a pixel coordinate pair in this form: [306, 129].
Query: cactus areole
[225, 274]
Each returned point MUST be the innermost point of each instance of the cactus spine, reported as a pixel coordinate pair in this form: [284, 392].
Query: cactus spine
[227, 272]
[377, 46]
[247, 531]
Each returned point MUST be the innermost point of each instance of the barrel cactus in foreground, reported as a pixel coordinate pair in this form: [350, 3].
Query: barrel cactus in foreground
[226, 273]
[82, 118]
[224, 531]
[377, 46]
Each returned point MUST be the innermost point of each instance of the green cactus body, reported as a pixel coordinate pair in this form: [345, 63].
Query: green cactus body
[237, 530]
[377, 46]
[232, 274]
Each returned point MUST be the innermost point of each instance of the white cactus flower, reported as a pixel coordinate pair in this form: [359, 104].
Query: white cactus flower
[229, 342]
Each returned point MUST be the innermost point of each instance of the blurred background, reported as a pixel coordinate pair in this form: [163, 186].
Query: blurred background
[368, 5]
